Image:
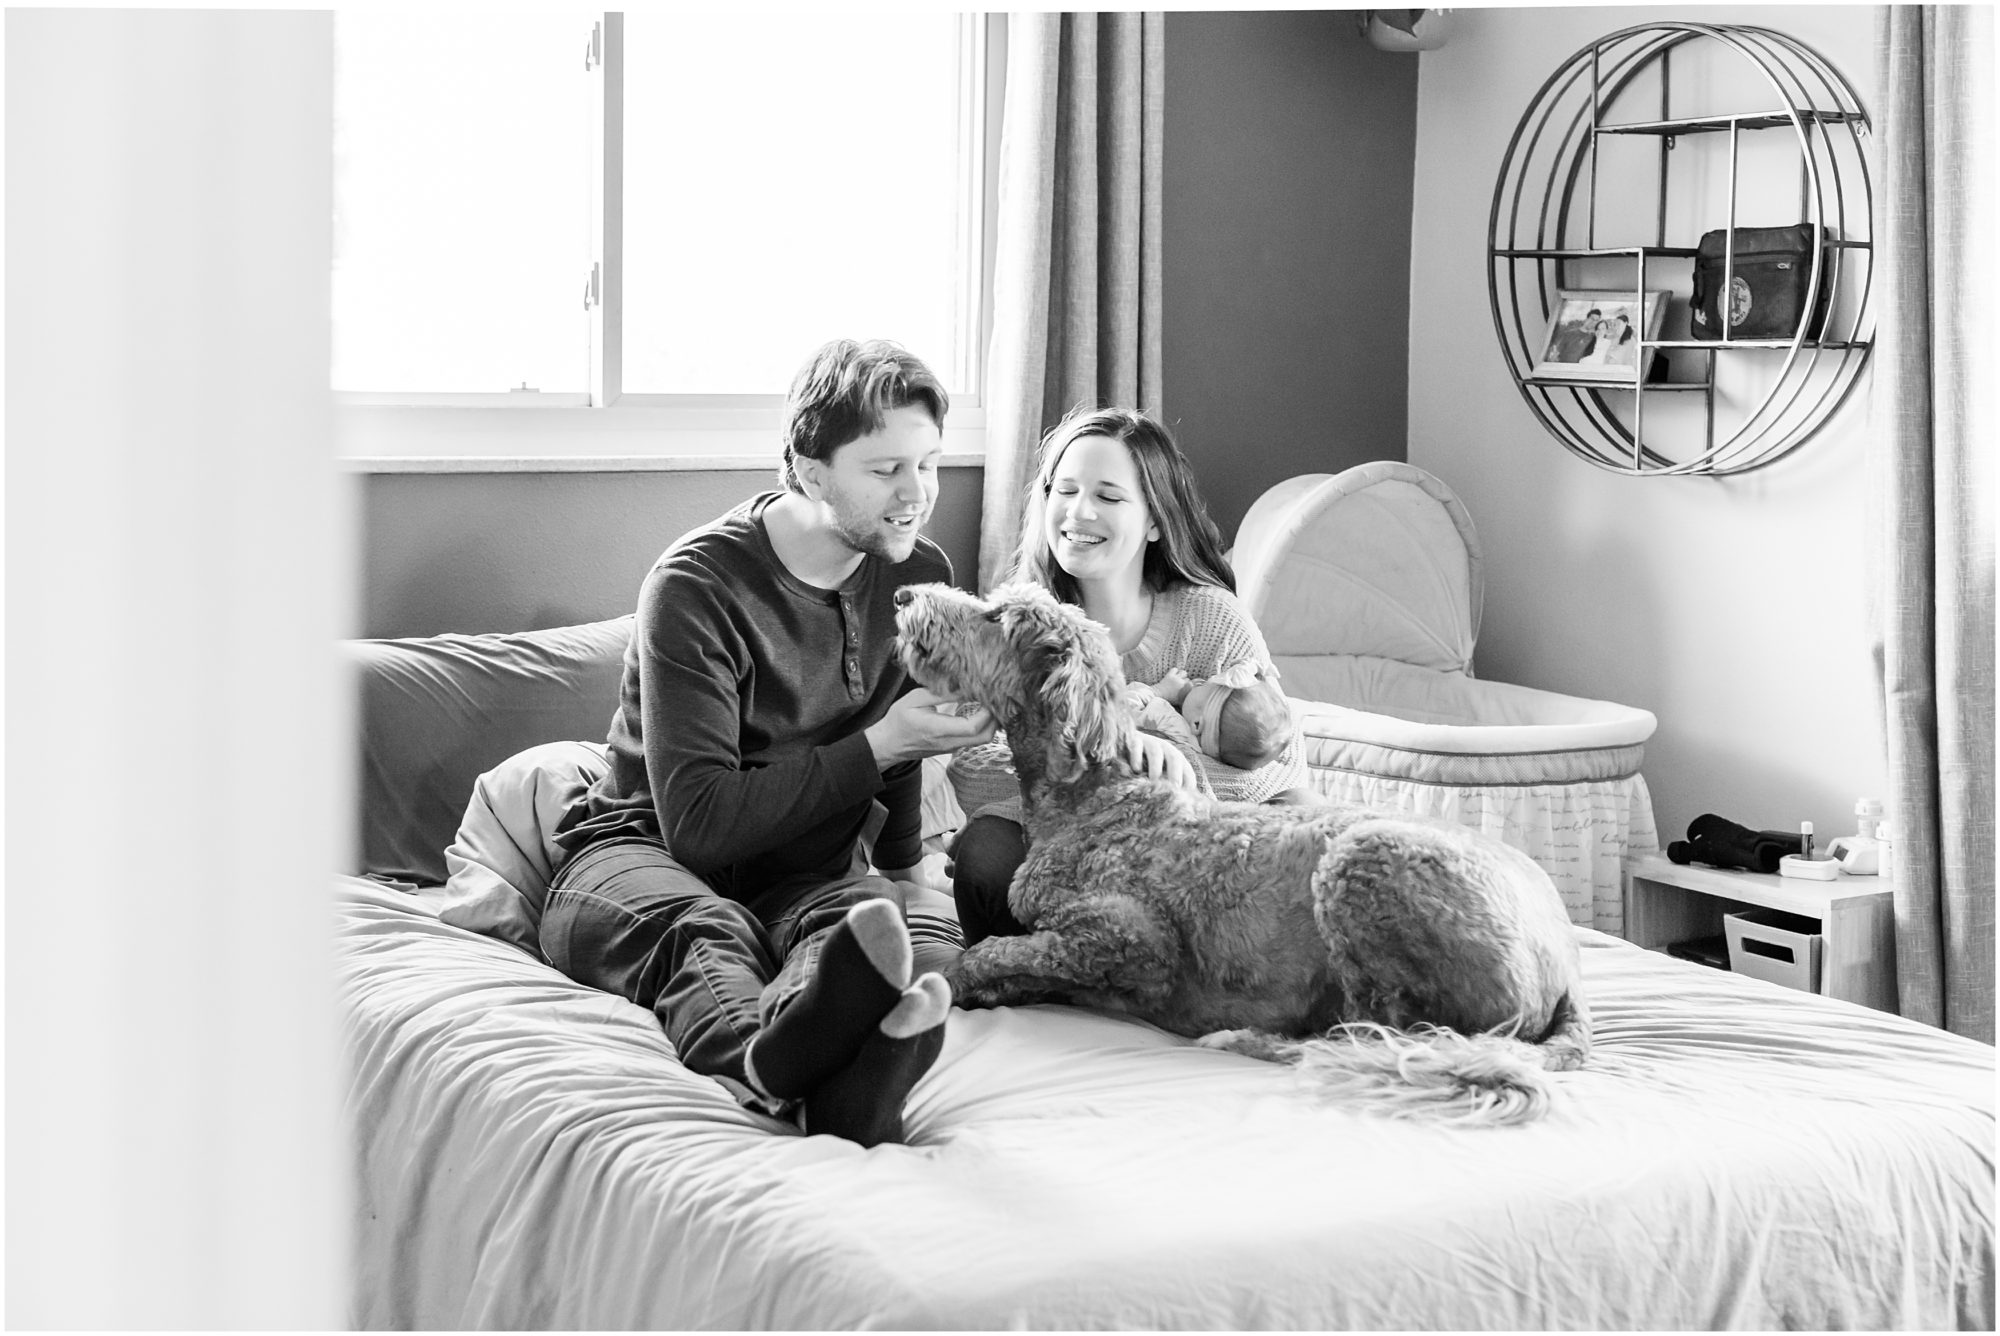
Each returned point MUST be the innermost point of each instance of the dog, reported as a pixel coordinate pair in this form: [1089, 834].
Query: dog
[1405, 964]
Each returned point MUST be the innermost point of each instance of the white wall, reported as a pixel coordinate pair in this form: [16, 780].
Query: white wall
[1730, 607]
[178, 557]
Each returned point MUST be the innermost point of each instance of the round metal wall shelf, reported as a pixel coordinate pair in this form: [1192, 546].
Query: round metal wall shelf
[1702, 406]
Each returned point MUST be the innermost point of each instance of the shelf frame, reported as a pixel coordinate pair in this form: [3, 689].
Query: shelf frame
[1544, 222]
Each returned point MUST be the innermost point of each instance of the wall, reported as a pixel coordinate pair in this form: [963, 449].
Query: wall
[178, 743]
[1289, 144]
[518, 551]
[1730, 607]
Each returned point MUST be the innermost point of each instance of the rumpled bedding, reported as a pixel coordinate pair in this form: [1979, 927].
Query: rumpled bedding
[531, 1155]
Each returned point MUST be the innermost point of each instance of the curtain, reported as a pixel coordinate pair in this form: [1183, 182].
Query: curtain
[179, 556]
[1076, 287]
[1932, 451]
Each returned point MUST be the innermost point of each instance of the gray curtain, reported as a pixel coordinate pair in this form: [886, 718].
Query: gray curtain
[1076, 285]
[1932, 448]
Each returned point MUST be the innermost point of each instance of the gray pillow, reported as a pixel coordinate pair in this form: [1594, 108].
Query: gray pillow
[437, 712]
[503, 859]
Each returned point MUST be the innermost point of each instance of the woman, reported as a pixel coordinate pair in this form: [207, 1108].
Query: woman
[1612, 348]
[1115, 524]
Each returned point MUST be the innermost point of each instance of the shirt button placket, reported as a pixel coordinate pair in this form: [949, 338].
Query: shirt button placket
[853, 646]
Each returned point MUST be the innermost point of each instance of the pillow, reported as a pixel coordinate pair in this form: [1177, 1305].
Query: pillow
[437, 712]
[942, 814]
[501, 862]
[983, 775]
[503, 858]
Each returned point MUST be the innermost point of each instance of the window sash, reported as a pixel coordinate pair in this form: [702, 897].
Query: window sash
[607, 427]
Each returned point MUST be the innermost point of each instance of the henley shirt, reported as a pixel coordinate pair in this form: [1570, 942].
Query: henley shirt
[738, 738]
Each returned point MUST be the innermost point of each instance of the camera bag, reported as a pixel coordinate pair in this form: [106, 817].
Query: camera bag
[1772, 268]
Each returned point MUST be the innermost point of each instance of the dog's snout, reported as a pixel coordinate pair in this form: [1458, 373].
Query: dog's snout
[905, 596]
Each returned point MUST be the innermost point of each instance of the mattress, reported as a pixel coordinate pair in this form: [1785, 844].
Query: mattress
[531, 1155]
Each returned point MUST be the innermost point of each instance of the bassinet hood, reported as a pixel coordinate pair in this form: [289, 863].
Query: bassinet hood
[1381, 559]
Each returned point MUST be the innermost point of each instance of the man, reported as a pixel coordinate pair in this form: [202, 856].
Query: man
[718, 872]
[1575, 338]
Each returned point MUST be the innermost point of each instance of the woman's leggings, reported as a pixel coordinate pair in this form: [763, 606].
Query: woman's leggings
[988, 850]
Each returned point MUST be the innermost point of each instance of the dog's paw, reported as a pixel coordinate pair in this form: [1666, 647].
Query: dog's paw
[1564, 1056]
[967, 990]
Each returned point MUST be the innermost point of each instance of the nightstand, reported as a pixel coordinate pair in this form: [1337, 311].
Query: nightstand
[1669, 902]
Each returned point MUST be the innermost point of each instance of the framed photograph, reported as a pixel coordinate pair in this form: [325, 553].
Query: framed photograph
[1593, 336]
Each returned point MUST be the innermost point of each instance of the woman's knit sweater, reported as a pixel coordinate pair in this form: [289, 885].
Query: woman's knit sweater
[1200, 629]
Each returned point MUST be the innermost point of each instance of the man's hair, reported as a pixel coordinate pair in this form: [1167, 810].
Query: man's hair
[1255, 725]
[846, 391]
[1189, 548]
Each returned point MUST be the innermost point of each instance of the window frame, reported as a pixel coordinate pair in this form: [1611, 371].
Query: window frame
[606, 429]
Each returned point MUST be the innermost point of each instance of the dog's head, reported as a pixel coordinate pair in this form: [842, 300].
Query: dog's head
[1041, 666]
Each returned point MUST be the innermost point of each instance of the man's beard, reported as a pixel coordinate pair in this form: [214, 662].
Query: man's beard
[871, 534]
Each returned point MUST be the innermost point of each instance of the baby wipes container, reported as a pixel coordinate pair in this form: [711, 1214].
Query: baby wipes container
[1367, 586]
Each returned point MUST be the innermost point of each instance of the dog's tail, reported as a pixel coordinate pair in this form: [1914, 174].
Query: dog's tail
[1478, 1080]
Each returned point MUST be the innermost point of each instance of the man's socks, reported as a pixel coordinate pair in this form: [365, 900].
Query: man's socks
[864, 1101]
[861, 977]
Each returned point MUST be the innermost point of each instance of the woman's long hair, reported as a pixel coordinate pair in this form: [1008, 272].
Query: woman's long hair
[1189, 547]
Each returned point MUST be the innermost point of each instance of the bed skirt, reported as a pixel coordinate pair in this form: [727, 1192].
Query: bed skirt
[1579, 834]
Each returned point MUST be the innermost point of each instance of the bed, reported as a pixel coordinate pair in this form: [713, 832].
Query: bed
[530, 1154]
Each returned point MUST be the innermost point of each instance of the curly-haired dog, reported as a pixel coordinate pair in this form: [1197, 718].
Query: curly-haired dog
[1404, 961]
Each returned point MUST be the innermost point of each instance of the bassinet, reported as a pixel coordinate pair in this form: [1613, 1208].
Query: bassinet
[1367, 587]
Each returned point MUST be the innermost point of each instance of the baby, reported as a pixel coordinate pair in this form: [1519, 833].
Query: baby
[1238, 716]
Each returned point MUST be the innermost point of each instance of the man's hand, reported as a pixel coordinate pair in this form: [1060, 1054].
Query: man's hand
[1157, 758]
[917, 726]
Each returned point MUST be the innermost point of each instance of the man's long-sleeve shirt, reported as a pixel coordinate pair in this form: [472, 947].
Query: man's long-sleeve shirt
[739, 735]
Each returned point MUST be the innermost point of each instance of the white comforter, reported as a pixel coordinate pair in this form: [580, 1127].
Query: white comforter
[532, 1155]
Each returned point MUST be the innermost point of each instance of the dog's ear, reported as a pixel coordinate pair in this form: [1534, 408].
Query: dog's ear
[1029, 616]
[1081, 689]
[1071, 658]
[1022, 601]
[1023, 613]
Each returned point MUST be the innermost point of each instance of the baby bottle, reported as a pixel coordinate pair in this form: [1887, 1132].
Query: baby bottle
[1860, 854]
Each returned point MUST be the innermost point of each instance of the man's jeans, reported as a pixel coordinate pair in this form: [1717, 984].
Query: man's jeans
[623, 916]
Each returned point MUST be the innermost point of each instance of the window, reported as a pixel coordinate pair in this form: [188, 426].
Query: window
[462, 203]
[831, 206]
[646, 220]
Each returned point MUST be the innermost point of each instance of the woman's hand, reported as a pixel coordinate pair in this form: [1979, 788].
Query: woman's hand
[1156, 758]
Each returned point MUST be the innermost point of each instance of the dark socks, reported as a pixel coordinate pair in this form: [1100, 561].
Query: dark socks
[862, 974]
[864, 1101]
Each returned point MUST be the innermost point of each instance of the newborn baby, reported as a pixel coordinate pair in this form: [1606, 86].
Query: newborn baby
[1237, 716]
